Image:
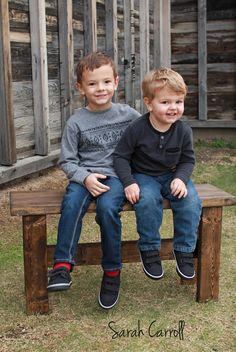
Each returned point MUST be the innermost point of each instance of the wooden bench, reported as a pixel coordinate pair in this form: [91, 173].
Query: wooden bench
[34, 206]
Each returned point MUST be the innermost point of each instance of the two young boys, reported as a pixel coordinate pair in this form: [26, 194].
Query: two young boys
[153, 159]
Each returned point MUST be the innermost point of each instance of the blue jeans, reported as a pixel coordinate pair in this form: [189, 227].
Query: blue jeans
[74, 206]
[149, 213]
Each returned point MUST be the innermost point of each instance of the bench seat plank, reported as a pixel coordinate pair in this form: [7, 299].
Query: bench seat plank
[49, 202]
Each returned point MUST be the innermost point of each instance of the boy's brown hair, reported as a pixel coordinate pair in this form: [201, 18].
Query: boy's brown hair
[160, 78]
[93, 61]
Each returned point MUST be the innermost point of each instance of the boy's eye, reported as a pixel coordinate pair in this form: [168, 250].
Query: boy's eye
[108, 81]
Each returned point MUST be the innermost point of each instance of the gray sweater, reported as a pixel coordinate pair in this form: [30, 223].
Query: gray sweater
[89, 139]
[145, 150]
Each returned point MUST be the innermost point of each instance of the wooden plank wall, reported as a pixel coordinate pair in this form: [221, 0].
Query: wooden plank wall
[177, 37]
[66, 51]
[220, 24]
[202, 60]
[7, 132]
[39, 76]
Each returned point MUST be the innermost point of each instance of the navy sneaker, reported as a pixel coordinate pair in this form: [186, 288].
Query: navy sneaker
[59, 279]
[109, 293]
[184, 265]
[152, 264]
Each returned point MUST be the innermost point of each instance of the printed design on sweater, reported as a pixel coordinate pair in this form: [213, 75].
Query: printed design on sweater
[100, 138]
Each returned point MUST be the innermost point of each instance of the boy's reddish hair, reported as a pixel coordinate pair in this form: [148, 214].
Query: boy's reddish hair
[160, 78]
[92, 61]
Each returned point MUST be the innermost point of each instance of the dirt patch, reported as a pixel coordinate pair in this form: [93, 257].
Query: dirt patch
[49, 179]
[215, 155]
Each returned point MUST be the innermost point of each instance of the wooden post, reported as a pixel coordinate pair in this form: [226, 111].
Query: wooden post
[209, 254]
[111, 29]
[162, 24]
[144, 42]
[40, 76]
[90, 26]
[111, 32]
[35, 263]
[7, 130]
[129, 59]
[66, 58]
[202, 60]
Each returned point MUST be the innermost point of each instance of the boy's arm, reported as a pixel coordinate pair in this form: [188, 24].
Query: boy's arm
[184, 168]
[186, 163]
[69, 159]
[70, 163]
[122, 157]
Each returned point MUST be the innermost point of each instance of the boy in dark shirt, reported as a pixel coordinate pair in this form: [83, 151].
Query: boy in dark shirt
[155, 159]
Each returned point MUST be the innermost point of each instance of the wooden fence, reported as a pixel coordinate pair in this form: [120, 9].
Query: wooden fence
[41, 41]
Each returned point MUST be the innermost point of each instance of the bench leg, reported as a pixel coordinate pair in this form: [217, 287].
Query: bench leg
[35, 263]
[209, 254]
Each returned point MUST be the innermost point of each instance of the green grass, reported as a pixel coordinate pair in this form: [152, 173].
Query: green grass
[76, 322]
[215, 143]
[218, 175]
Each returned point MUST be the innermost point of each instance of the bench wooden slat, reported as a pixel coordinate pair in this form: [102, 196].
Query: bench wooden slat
[49, 202]
[91, 253]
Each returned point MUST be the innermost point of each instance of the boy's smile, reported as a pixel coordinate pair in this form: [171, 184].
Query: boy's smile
[98, 86]
[165, 108]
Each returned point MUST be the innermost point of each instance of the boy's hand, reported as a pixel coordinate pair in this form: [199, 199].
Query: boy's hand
[132, 193]
[178, 188]
[94, 186]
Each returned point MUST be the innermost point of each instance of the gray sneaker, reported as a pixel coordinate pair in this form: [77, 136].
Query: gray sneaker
[152, 264]
[59, 279]
[109, 292]
[184, 265]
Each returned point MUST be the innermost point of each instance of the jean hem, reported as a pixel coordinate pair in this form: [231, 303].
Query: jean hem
[112, 269]
[184, 249]
[72, 262]
[149, 248]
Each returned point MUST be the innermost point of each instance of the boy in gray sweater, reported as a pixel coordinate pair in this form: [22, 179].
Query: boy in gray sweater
[89, 139]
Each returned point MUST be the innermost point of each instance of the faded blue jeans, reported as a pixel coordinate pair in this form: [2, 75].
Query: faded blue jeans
[149, 213]
[74, 206]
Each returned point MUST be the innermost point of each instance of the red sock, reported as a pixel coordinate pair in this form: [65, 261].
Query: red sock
[65, 265]
[112, 273]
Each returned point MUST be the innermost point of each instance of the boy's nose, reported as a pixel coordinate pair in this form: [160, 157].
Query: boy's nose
[173, 106]
[100, 86]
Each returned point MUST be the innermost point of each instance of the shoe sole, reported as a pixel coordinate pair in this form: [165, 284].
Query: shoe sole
[148, 274]
[180, 273]
[107, 307]
[59, 287]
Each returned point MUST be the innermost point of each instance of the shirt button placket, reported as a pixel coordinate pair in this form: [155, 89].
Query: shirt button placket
[161, 142]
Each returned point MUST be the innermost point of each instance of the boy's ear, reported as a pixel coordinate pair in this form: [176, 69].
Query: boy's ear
[78, 87]
[148, 104]
[117, 82]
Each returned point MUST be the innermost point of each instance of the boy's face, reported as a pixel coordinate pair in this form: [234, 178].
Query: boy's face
[166, 108]
[98, 86]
